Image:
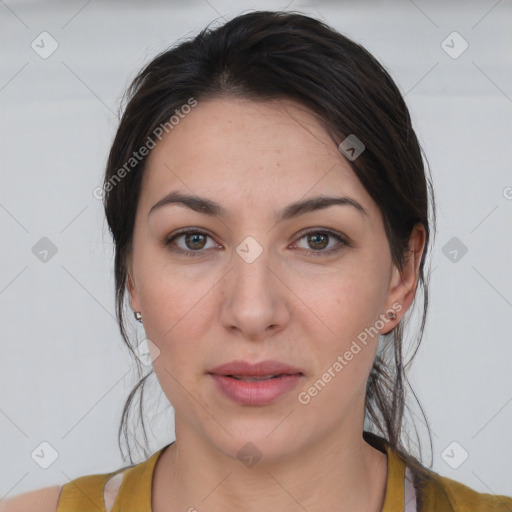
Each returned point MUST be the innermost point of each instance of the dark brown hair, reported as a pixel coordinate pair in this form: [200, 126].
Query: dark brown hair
[268, 55]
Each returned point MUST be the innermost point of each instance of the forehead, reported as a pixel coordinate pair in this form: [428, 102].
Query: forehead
[246, 151]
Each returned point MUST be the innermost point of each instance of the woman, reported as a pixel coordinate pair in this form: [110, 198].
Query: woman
[269, 206]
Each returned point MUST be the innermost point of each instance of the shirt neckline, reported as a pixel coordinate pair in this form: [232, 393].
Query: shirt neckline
[136, 488]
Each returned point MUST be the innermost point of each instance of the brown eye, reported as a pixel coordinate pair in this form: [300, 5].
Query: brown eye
[195, 241]
[318, 240]
[191, 242]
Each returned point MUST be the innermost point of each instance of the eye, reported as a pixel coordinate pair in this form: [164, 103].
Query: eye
[320, 239]
[195, 240]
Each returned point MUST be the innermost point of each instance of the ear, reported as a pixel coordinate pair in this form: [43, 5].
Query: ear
[403, 283]
[132, 289]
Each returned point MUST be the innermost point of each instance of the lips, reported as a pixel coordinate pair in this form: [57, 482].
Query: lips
[244, 370]
[258, 384]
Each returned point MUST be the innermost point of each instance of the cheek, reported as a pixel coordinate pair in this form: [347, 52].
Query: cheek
[346, 301]
[173, 326]
[173, 296]
[345, 347]
[175, 319]
[346, 338]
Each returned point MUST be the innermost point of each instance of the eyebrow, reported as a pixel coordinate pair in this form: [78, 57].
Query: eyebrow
[209, 207]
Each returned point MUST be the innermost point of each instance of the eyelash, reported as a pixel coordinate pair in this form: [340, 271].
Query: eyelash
[328, 232]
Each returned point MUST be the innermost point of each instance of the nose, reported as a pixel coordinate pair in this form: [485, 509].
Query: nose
[255, 300]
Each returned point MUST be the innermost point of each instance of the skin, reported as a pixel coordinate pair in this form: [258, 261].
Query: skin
[290, 305]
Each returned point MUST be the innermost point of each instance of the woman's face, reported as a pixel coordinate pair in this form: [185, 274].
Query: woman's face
[258, 285]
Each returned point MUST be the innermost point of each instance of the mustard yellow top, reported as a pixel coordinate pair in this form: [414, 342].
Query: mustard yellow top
[439, 494]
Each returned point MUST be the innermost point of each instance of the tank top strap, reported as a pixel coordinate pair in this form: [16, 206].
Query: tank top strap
[135, 491]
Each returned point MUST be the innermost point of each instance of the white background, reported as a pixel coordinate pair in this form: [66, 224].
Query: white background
[64, 371]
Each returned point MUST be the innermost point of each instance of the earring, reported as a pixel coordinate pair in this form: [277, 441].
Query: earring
[392, 315]
[137, 316]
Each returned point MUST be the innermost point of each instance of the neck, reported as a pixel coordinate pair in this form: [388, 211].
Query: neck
[342, 473]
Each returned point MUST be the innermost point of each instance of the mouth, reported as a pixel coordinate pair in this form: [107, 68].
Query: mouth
[255, 384]
[262, 370]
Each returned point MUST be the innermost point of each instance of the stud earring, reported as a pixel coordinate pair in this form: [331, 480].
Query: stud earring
[392, 315]
[137, 316]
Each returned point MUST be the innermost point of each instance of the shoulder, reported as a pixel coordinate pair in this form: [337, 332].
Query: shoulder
[441, 490]
[93, 492]
[42, 500]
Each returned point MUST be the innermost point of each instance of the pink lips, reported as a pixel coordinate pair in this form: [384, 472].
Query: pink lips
[255, 392]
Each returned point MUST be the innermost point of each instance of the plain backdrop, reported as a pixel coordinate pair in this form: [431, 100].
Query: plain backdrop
[65, 373]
